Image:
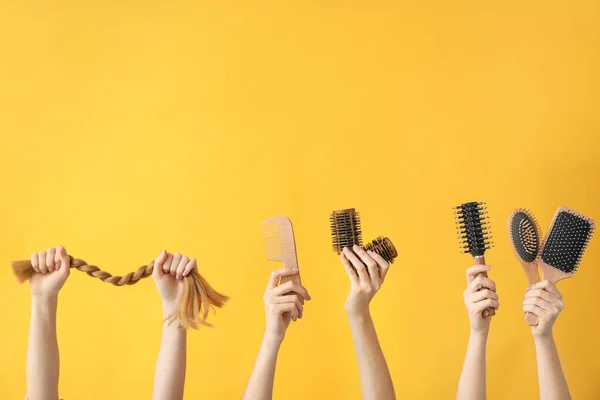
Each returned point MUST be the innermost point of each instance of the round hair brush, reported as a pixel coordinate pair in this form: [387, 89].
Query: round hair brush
[526, 241]
[473, 235]
[346, 232]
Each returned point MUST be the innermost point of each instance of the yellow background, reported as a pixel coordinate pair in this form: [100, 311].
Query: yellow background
[132, 126]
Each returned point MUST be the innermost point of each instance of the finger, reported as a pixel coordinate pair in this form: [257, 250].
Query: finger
[42, 261]
[190, 267]
[481, 282]
[349, 270]
[291, 299]
[287, 307]
[482, 295]
[384, 266]
[167, 263]
[158, 264]
[181, 267]
[368, 261]
[537, 301]
[291, 287]
[358, 266]
[541, 293]
[485, 304]
[50, 253]
[532, 308]
[35, 263]
[546, 285]
[475, 270]
[278, 273]
[175, 263]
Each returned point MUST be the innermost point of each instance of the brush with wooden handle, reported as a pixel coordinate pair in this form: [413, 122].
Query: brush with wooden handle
[474, 235]
[563, 248]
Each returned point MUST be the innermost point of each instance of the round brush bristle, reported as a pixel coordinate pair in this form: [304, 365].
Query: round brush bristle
[473, 228]
[384, 247]
[345, 229]
[525, 234]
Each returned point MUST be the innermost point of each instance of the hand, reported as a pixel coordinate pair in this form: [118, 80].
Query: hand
[363, 285]
[283, 303]
[544, 301]
[479, 295]
[53, 267]
[169, 270]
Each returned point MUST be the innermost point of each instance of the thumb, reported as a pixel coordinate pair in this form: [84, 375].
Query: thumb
[65, 260]
[158, 264]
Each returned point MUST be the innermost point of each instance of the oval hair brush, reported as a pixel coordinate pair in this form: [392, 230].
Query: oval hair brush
[473, 235]
[192, 310]
[526, 241]
[280, 245]
[564, 247]
[346, 232]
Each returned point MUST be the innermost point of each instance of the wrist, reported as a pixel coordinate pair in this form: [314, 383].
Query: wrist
[169, 308]
[479, 334]
[44, 298]
[270, 339]
[543, 339]
[362, 313]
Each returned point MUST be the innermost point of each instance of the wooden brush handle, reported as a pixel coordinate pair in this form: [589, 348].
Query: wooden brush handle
[488, 312]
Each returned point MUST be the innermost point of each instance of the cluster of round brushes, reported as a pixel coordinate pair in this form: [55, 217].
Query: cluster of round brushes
[559, 254]
[346, 232]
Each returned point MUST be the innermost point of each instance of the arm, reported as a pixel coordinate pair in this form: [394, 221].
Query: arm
[52, 270]
[283, 304]
[365, 282]
[169, 378]
[479, 295]
[545, 301]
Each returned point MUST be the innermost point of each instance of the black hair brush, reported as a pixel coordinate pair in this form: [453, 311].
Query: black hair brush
[473, 235]
[563, 248]
[526, 240]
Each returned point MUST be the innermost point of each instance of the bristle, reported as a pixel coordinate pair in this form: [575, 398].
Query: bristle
[272, 241]
[525, 235]
[345, 229]
[473, 228]
[384, 247]
[567, 240]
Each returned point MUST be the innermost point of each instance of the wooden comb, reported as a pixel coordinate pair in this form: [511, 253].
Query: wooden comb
[563, 247]
[526, 241]
[346, 232]
[280, 246]
[474, 236]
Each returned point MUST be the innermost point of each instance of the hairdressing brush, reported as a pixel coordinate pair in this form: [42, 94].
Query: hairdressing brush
[563, 248]
[526, 241]
[280, 245]
[473, 235]
[346, 232]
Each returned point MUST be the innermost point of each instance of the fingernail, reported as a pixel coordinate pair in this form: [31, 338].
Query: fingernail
[308, 298]
[178, 277]
[294, 269]
[528, 288]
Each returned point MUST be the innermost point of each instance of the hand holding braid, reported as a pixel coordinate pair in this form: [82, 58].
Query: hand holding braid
[194, 302]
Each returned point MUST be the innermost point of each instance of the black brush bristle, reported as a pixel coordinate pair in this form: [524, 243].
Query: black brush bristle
[525, 235]
[345, 229]
[473, 228]
[567, 241]
[384, 247]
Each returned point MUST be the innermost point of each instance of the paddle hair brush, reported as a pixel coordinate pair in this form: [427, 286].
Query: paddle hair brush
[473, 235]
[564, 247]
[346, 232]
[526, 241]
[280, 246]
